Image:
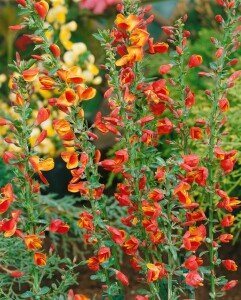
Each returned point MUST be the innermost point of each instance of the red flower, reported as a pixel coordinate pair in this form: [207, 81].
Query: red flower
[193, 237]
[159, 47]
[93, 263]
[194, 61]
[228, 286]
[225, 238]
[193, 262]
[59, 226]
[42, 8]
[155, 271]
[199, 175]
[86, 221]
[16, 274]
[43, 115]
[195, 216]
[130, 246]
[196, 133]
[157, 237]
[194, 279]
[55, 50]
[121, 277]
[155, 195]
[223, 104]
[227, 221]
[140, 297]
[118, 236]
[189, 99]
[191, 160]
[181, 192]
[30, 75]
[21, 2]
[103, 254]
[230, 265]
[164, 126]
[165, 68]
[135, 260]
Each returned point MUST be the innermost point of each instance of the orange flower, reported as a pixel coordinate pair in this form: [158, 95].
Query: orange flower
[42, 8]
[62, 127]
[194, 61]
[130, 246]
[195, 216]
[19, 99]
[155, 195]
[89, 239]
[155, 271]
[8, 197]
[33, 242]
[86, 221]
[139, 37]
[39, 258]
[30, 75]
[47, 82]
[8, 227]
[157, 237]
[42, 116]
[103, 254]
[150, 209]
[93, 263]
[71, 158]
[44, 165]
[160, 174]
[135, 53]
[181, 192]
[193, 237]
[128, 23]
[85, 93]
[199, 175]
[196, 133]
[72, 75]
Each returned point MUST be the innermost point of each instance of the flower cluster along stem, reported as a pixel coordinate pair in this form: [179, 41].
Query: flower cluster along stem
[213, 140]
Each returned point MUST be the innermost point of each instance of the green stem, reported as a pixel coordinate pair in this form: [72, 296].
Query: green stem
[212, 142]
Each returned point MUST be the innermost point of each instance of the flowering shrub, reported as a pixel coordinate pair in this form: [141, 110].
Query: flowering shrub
[172, 241]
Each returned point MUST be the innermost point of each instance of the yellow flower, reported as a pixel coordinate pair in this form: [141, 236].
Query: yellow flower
[57, 14]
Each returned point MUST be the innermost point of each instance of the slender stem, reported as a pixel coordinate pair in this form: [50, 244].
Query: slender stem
[212, 142]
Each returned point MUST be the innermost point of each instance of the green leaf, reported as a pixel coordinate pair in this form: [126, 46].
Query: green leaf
[27, 294]
[98, 37]
[30, 63]
[143, 292]
[44, 290]
[13, 67]
[53, 71]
